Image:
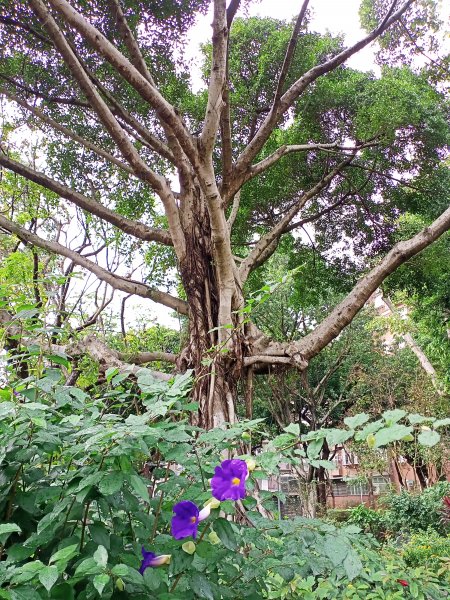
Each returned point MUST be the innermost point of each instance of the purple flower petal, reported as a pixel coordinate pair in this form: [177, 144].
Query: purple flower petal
[228, 482]
[147, 560]
[151, 560]
[185, 521]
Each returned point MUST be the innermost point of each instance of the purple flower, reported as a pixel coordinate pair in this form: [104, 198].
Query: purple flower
[228, 482]
[151, 560]
[185, 521]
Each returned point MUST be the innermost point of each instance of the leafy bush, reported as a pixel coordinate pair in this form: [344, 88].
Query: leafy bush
[370, 520]
[86, 482]
[429, 549]
[414, 512]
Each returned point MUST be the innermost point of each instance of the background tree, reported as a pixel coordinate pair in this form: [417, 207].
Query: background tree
[285, 135]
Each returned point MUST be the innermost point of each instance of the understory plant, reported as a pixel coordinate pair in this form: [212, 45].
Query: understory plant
[118, 496]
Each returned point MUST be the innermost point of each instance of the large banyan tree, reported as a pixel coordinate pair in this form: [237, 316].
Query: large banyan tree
[283, 134]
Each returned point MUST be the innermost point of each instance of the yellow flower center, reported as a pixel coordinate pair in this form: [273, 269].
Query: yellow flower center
[193, 519]
[235, 481]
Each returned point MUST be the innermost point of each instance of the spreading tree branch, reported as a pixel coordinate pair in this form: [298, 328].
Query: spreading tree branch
[270, 239]
[115, 281]
[343, 314]
[296, 89]
[164, 110]
[217, 78]
[134, 228]
[67, 132]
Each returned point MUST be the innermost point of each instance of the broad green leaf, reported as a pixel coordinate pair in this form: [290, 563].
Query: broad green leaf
[338, 436]
[100, 534]
[100, 581]
[357, 420]
[428, 438]
[314, 448]
[120, 570]
[336, 549]
[441, 423]
[352, 565]
[394, 433]
[139, 487]
[201, 587]
[25, 593]
[65, 554]
[111, 483]
[225, 531]
[293, 428]
[101, 556]
[392, 416]
[88, 566]
[415, 419]
[368, 429]
[48, 576]
[9, 528]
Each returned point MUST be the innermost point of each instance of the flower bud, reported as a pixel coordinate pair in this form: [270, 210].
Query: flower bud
[162, 559]
[212, 503]
[251, 464]
[371, 440]
[214, 538]
[120, 584]
[188, 547]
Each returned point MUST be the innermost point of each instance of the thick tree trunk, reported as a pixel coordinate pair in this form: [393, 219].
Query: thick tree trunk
[215, 367]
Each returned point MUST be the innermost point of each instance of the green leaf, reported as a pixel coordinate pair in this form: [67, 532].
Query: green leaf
[368, 429]
[101, 556]
[65, 554]
[59, 359]
[48, 576]
[100, 535]
[201, 586]
[314, 448]
[338, 436]
[415, 419]
[25, 593]
[9, 528]
[293, 428]
[62, 591]
[111, 483]
[109, 373]
[88, 566]
[441, 423]
[392, 416]
[352, 565]
[225, 531]
[120, 570]
[139, 487]
[394, 433]
[336, 549]
[357, 420]
[428, 438]
[100, 581]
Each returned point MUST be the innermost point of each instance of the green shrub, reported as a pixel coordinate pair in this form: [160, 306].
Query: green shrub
[427, 549]
[417, 512]
[370, 520]
[86, 482]
[338, 515]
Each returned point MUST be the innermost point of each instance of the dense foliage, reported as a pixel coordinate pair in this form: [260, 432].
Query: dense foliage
[87, 481]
